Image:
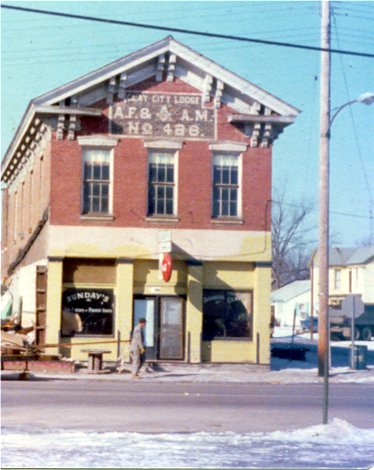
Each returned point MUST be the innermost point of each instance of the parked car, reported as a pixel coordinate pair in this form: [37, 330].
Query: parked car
[307, 323]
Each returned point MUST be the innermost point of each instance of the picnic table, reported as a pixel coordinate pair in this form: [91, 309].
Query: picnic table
[95, 359]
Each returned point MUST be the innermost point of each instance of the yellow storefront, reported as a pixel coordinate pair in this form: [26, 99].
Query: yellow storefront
[209, 311]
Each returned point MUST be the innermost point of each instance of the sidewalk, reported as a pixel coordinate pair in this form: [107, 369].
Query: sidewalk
[212, 373]
[281, 370]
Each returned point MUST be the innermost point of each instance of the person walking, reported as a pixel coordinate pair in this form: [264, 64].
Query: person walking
[137, 348]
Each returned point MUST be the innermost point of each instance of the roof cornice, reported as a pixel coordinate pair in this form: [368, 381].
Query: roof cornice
[249, 118]
[104, 73]
[32, 113]
[233, 80]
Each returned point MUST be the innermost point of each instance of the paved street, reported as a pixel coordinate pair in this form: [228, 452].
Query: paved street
[180, 407]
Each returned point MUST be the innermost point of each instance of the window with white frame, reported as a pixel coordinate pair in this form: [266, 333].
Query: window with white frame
[96, 180]
[161, 184]
[226, 185]
[337, 279]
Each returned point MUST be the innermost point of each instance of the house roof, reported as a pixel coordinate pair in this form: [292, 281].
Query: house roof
[246, 99]
[288, 292]
[168, 44]
[351, 256]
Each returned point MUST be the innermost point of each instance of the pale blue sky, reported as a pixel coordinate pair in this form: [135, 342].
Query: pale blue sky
[41, 52]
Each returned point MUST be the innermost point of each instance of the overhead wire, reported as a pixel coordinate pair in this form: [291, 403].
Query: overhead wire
[218, 36]
[357, 8]
[186, 31]
[312, 121]
[357, 17]
[354, 127]
[294, 32]
[110, 44]
[344, 214]
[16, 59]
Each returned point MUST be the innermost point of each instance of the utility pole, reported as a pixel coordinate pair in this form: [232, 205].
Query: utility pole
[323, 252]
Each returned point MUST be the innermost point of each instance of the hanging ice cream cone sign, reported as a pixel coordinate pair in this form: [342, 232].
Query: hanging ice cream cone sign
[166, 266]
[165, 260]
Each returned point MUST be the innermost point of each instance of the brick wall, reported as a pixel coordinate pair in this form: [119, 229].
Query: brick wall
[26, 203]
[130, 177]
[56, 182]
[130, 186]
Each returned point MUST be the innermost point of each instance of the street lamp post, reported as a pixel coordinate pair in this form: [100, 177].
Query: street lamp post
[365, 98]
[324, 324]
[326, 122]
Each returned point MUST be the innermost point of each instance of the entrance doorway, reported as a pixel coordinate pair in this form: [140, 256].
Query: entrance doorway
[164, 330]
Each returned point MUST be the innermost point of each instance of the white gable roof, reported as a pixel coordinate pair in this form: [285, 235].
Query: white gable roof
[290, 291]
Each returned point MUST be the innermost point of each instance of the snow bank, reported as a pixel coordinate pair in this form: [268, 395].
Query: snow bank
[337, 431]
[338, 444]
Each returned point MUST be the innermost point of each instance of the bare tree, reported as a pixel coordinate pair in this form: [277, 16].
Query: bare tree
[292, 240]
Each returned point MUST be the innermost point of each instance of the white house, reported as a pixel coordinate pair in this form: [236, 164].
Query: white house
[351, 271]
[290, 299]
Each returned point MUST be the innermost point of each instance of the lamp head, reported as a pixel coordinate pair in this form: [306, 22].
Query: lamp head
[366, 98]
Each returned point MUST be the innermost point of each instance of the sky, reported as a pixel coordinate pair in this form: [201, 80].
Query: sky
[40, 53]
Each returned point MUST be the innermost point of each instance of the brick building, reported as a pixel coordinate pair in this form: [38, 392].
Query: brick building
[162, 151]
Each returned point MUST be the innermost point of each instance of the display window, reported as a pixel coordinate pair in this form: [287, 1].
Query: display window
[87, 312]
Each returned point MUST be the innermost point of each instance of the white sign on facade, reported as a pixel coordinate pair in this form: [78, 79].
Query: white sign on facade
[162, 115]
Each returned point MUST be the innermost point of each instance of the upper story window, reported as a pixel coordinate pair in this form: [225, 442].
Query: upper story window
[97, 175]
[337, 279]
[161, 184]
[226, 185]
[356, 270]
[96, 181]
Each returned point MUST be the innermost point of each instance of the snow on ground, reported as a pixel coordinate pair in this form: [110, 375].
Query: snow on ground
[304, 371]
[337, 444]
[287, 331]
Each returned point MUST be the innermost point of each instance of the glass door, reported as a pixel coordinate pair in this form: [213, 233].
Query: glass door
[146, 308]
[171, 328]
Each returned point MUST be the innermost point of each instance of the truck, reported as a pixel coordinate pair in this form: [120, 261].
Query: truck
[353, 313]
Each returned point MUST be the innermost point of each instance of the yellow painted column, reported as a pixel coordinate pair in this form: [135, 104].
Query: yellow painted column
[124, 304]
[262, 312]
[194, 311]
[54, 299]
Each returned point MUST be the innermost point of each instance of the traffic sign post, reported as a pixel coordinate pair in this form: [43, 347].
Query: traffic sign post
[353, 306]
[164, 247]
[164, 236]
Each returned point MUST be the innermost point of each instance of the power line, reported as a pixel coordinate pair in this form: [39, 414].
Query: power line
[357, 8]
[10, 57]
[358, 17]
[367, 184]
[345, 214]
[43, 52]
[46, 53]
[186, 31]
